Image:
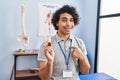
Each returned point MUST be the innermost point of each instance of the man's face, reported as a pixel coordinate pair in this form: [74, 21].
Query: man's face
[65, 23]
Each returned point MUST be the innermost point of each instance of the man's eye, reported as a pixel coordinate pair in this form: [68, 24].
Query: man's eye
[64, 20]
[72, 20]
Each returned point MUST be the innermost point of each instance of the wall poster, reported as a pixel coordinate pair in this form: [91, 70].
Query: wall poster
[46, 11]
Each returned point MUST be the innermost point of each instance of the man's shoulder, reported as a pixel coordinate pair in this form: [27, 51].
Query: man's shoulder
[78, 39]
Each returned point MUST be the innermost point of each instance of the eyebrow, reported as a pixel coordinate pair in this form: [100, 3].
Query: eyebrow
[66, 18]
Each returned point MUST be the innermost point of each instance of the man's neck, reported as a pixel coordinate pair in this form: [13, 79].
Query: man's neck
[63, 36]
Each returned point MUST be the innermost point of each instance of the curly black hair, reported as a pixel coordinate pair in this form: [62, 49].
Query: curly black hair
[65, 9]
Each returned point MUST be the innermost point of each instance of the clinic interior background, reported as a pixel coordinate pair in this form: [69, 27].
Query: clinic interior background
[10, 29]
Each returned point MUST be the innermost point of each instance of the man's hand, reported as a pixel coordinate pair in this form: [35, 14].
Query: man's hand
[77, 53]
[46, 67]
[49, 53]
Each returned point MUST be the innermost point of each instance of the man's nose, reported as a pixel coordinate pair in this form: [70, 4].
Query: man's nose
[68, 22]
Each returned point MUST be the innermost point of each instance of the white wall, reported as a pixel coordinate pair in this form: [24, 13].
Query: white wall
[87, 29]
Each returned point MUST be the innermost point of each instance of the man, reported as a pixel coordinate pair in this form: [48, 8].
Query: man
[65, 56]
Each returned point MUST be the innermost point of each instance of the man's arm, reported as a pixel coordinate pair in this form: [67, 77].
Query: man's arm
[83, 61]
[45, 70]
[84, 64]
[46, 67]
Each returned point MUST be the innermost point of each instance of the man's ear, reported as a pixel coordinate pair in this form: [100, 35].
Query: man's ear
[57, 25]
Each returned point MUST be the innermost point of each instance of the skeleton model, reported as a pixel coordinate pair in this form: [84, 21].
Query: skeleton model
[24, 39]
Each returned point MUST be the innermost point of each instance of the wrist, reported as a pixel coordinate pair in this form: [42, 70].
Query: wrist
[50, 61]
[81, 57]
